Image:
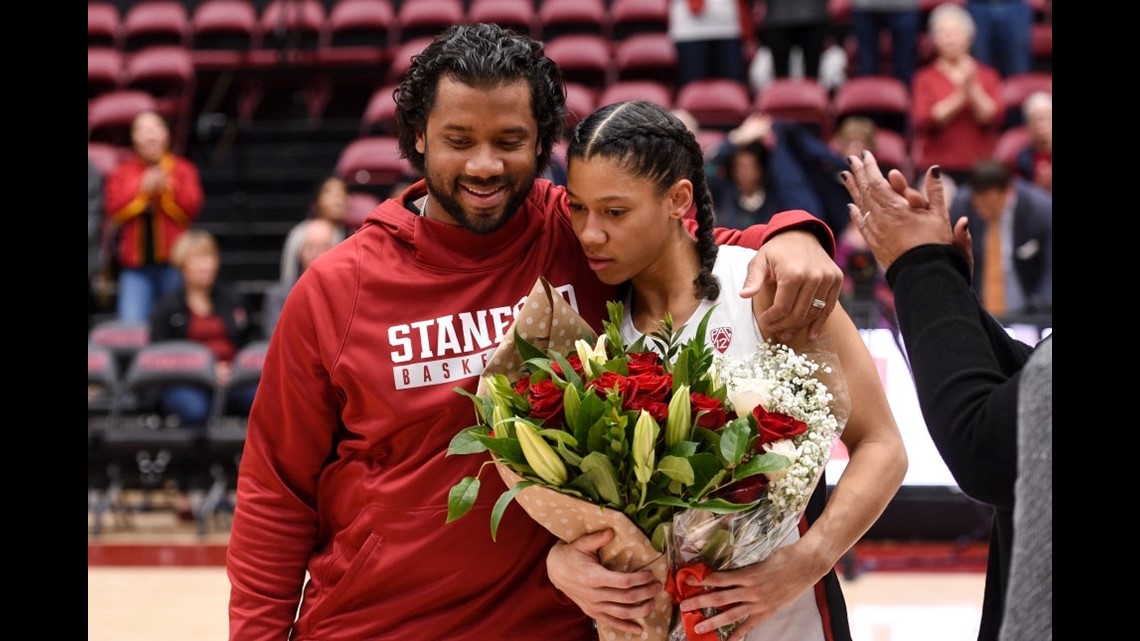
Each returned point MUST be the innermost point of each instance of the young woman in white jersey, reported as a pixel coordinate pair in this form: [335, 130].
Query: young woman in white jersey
[634, 172]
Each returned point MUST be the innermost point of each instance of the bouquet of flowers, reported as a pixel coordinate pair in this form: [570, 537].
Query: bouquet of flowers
[690, 458]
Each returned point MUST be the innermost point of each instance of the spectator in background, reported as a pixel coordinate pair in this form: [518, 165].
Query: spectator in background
[151, 199]
[967, 372]
[330, 202]
[1004, 30]
[709, 36]
[207, 311]
[956, 100]
[94, 237]
[1011, 224]
[1035, 162]
[764, 166]
[902, 20]
[795, 23]
[318, 235]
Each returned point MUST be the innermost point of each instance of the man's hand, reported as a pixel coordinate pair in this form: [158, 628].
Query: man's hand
[614, 599]
[893, 216]
[802, 272]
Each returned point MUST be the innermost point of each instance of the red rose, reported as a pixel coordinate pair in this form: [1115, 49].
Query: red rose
[714, 415]
[658, 410]
[745, 490]
[645, 363]
[522, 386]
[654, 386]
[545, 400]
[609, 380]
[775, 426]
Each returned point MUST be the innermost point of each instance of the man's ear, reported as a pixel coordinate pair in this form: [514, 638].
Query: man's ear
[680, 198]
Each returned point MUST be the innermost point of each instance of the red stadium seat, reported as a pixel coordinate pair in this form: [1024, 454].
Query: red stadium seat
[290, 26]
[636, 90]
[373, 164]
[629, 17]
[104, 25]
[1041, 44]
[581, 101]
[426, 18]
[646, 56]
[562, 17]
[283, 66]
[380, 114]
[109, 116]
[106, 156]
[891, 152]
[801, 100]
[104, 70]
[156, 22]
[353, 57]
[583, 58]
[717, 103]
[1014, 91]
[519, 15]
[401, 58]
[167, 73]
[883, 99]
[1010, 143]
[222, 33]
[358, 32]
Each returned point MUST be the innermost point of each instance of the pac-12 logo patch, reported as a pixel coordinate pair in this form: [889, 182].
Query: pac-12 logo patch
[721, 338]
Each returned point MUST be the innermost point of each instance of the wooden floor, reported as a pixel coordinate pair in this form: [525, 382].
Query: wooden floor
[156, 579]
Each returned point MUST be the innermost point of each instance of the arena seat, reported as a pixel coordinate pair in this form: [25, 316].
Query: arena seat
[155, 22]
[519, 15]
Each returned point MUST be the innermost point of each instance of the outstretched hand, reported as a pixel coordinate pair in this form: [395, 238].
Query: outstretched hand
[803, 273]
[614, 599]
[893, 216]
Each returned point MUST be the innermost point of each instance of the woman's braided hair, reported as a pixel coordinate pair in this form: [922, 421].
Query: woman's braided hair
[649, 142]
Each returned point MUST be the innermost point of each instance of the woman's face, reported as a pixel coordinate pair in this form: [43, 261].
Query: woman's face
[200, 269]
[747, 174]
[621, 220]
[951, 38]
[332, 201]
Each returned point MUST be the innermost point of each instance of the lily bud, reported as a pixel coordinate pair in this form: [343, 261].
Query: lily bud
[644, 455]
[679, 421]
[539, 455]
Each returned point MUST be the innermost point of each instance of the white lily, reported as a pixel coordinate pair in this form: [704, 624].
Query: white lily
[592, 357]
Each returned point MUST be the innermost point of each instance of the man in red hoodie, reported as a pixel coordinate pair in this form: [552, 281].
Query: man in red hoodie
[344, 476]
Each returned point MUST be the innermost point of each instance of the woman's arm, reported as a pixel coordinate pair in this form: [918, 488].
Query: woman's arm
[875, 470]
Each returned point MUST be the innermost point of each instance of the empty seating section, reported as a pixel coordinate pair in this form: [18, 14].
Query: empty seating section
[155, 22]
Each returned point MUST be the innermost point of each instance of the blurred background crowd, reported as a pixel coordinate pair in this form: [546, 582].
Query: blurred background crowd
[231, 142]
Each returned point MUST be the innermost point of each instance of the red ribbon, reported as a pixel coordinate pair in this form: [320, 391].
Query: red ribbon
[677, 584]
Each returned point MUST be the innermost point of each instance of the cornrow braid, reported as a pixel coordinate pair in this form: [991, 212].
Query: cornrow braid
[645, 139]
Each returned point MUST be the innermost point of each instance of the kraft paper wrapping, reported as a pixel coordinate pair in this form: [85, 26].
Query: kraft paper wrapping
[547, 321]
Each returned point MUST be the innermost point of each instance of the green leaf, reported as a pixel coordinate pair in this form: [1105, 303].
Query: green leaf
[676, 468]
[767, 462]
[567, 371]
[461, 497]
[600, 471]
[506, 448]
[525, 349]
[721, 506]
[735, 439]
[482, 405]
[468, 442]
[681, 370]
[501, 505]
[684, 448]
